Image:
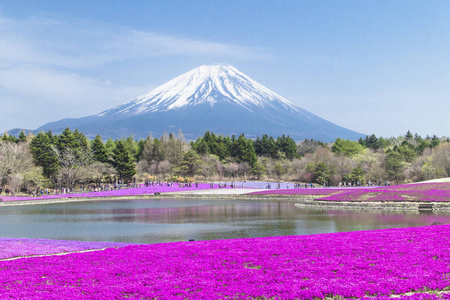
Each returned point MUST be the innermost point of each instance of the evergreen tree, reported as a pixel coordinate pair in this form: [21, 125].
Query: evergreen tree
[67, 140]
[288, 146]
[200, 146]
[22, 137]
[140, 149]
[244, 151]
[99, 150]
[267, 147]
[320, 172]
[190, 165]
[394, 166]
[110, 145]
[13, 139]
[346, 147]
[357, 175]
[81, 142]
[258, 169]
[123, 162]
[131, 145]
[44, 156]
[372, 142]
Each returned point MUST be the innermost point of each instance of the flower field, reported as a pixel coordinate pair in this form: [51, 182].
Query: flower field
[305, 192]
[364, 265]
[410, 192]
[407, 192]
[13, 247]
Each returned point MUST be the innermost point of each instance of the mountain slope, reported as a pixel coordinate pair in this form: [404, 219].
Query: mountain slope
[215, 98]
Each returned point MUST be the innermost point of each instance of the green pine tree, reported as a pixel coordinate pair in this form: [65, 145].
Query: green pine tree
[123, 162]
[190, 164]
[99, 150]
[44, 156]
[22, 137]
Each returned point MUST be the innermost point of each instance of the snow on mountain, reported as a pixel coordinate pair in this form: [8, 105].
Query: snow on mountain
[209, 98]
[204, 85]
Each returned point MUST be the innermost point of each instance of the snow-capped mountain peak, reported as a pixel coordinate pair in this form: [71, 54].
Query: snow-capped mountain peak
[204, 85]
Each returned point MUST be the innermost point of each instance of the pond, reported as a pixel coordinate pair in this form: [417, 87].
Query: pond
[158, 221]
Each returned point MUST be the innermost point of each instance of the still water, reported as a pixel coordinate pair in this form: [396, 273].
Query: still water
[158, 221]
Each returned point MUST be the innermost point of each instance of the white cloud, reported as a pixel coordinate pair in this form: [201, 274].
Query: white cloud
[48, 95]
[78, 44]
[49, 68]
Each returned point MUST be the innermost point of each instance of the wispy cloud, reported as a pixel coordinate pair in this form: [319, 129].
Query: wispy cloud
[34, 96]
[79, 44]
[58, 66]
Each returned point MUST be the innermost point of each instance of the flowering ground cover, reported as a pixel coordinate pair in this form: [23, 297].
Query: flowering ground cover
[261, 184]
[406, 192]
[119, 193]
[14, 247]
[409, 192]
[308, 191]
[364, 264]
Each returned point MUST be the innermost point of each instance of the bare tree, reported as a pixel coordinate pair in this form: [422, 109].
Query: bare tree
[142, 166]
[14, 159]
[153, 168]
[441, 159]
[210, 164]
[96, 172]
[232, 169]
[299, 168]
[149, 149]
[15, 180]
[244, 169]
[72, 161]
[220, 168]
[164, 168]
[33, 179]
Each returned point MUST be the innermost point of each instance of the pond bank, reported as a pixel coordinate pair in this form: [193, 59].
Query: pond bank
[302, 201]
[174, 195]
[375, 205]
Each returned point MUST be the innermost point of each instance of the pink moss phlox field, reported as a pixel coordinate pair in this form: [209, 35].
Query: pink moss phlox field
[309, 191]
[120, 193]
[407, 192]
[17, 247]
[413, 192]
[371, 264]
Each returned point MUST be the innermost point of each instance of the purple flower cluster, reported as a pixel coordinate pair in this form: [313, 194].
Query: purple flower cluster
[364, 264]
[407, 192]
[415, 192]
[120, 193]
[304, 192]
[13, 247]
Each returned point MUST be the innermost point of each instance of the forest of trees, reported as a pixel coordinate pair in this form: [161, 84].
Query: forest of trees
[30, 162]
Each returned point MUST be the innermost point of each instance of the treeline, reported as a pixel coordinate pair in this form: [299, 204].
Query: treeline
[70, 158]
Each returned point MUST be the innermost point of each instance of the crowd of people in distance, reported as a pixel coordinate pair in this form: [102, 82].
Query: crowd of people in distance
[120, 184]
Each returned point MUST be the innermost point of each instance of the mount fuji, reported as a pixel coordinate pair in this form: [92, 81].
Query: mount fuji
[216, 98]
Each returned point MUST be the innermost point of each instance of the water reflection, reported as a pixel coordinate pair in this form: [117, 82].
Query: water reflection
[156, 221]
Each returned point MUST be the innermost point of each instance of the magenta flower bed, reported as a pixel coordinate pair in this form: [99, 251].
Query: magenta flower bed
[119, 193]
[13, 247]
[309, 191]
[407, 192]
[361, 264]
[415, 192]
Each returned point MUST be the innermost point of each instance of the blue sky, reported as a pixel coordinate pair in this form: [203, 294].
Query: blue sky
[371, 66]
